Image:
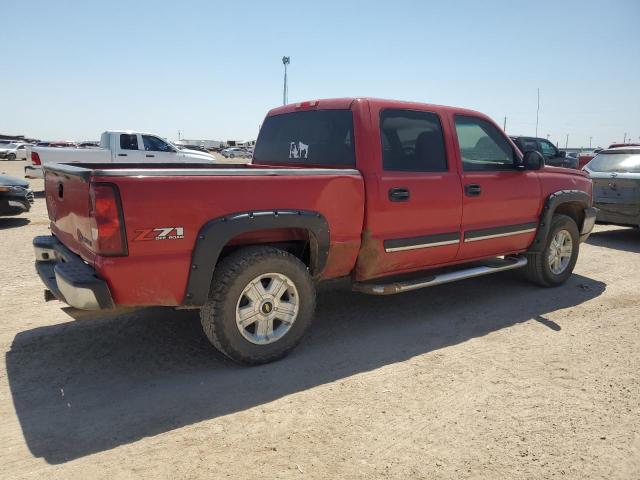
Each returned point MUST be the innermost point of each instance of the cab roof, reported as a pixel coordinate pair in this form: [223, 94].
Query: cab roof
[346, 103]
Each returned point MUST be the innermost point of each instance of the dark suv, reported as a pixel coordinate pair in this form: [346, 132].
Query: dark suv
[552, 156]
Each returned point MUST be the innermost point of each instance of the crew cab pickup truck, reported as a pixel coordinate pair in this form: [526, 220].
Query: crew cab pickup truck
[115, 147]
[360, 188]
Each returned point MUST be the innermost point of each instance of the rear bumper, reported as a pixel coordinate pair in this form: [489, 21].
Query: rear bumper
[68, 277]
[33, 171]
[588, 223]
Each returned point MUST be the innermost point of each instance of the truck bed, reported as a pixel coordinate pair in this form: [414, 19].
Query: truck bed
[186, 197]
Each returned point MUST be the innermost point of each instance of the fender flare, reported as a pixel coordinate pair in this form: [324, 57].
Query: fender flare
[551, 204]
[215, 234]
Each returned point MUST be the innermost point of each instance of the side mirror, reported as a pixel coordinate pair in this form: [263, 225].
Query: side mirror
[532, 160]
[562, 154]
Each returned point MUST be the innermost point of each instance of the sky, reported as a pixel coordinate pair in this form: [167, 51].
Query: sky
[212, 70]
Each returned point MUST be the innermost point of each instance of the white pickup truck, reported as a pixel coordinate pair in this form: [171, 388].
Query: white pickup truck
[116, 147]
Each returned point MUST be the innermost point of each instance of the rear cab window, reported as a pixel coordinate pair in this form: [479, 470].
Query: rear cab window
[316, 137]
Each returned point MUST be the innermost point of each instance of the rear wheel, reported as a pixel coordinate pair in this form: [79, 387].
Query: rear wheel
[261, 303]
[554, 265]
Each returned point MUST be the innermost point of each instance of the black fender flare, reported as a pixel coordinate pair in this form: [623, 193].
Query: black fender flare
[551, 204]
[216, 233]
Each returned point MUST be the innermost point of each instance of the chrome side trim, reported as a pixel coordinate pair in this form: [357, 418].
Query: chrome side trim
[215, 170]
[423, 245]
[224, 172]
[497, 235]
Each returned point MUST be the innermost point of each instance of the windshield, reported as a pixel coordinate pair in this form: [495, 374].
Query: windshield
[318, 137]
[616, 162]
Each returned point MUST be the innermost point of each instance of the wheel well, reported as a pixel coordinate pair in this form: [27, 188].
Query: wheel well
[574, 210]
[299, 242]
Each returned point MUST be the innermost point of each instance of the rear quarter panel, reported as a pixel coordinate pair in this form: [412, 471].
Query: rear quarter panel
[156, 271]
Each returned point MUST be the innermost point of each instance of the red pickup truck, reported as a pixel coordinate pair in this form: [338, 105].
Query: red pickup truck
[369, 189]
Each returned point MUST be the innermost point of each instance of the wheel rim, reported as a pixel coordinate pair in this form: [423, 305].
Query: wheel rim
[267, 308]
[560, 251]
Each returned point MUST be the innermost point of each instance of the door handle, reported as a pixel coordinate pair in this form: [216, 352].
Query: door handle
[150, 155]
[122, 154]
[399, 194]
[472, 190]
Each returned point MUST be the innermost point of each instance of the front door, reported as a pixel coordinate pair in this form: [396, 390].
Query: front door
[157, 150]
[414, 206]
[501, 202]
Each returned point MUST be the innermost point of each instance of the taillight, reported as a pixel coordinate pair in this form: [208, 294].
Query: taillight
[35, 158]
[107, 224]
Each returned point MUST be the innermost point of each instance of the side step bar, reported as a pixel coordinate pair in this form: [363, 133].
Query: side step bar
[498, 265]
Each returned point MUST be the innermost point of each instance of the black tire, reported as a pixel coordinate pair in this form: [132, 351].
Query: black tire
[538, 269]
[231, 276]
[11, 157]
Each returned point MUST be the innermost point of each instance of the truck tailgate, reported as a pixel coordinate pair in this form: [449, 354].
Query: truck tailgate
[68, 205]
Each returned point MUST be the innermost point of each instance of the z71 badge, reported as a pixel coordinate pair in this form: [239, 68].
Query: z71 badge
[164, 233]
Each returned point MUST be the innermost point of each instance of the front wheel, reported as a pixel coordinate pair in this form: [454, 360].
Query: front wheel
[11, 157]
[554, 265]
[261, 303]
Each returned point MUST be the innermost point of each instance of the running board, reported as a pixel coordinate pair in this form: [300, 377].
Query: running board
[498, 265]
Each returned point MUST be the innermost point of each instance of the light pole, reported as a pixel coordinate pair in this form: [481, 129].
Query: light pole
[590, 138]
[285, 91]
[537, 112]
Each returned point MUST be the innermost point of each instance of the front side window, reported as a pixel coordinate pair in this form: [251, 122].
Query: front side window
[482, 146]
[412, 141]
[154, 144]
[547, 149]
[316, 137]
[129, 141]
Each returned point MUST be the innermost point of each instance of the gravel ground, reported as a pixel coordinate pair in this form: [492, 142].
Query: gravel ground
[488, 378]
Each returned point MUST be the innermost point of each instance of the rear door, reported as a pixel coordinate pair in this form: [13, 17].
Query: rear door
[501, 203]
[414, 201]
[128, 148]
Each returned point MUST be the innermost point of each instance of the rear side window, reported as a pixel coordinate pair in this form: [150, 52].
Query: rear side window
[128, 141]
[482, 146]
[412, 141]
[318, 137]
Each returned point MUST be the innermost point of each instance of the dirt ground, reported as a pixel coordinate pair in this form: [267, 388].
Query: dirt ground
[488, 378]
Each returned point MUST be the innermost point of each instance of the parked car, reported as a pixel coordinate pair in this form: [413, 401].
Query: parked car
[88, 144]
[116, 147]
[424, 187]
[552, 156]
[193, 147]
[15, 196]
[585, 158]
[13, 151]
[616, 185]
[234, 152]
